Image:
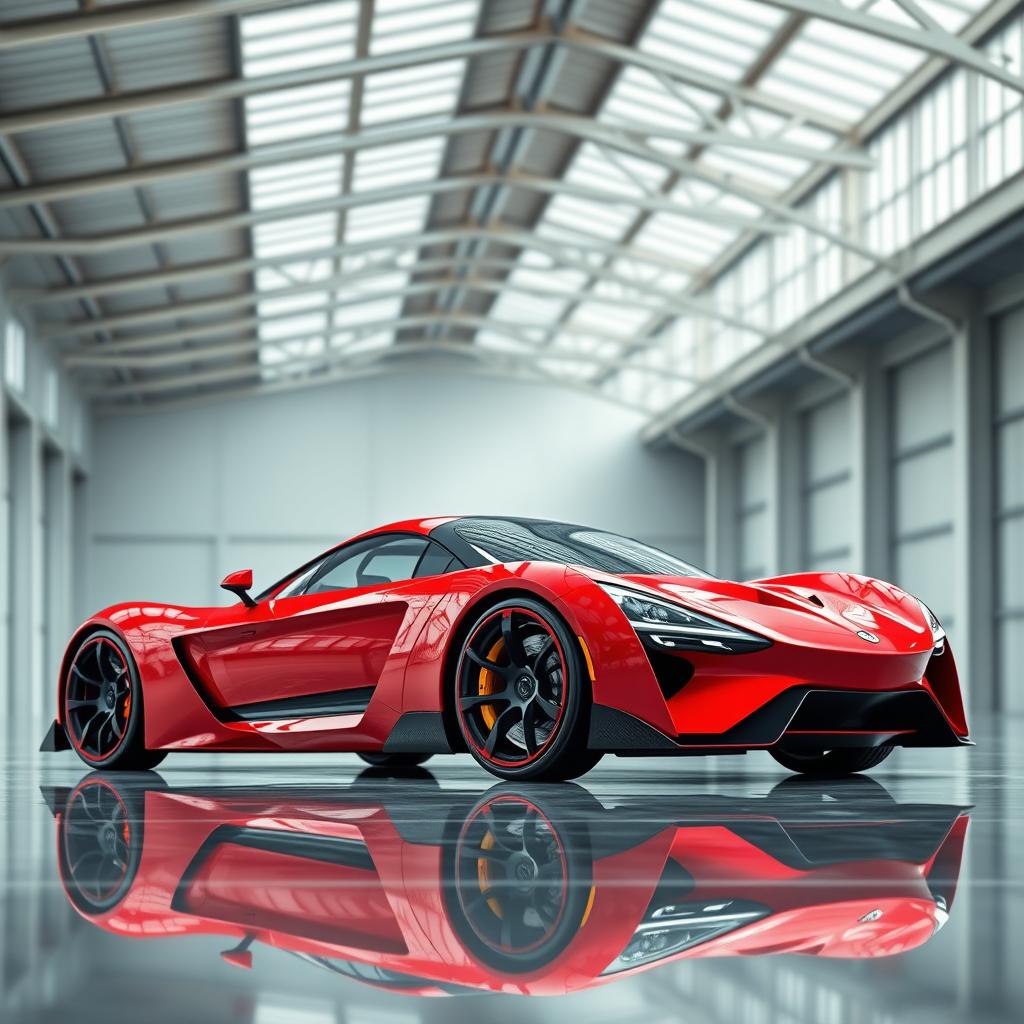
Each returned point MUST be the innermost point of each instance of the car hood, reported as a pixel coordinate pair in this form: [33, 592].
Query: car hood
[817, 607]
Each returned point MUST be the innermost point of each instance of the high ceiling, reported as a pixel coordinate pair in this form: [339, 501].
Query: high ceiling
[245, 195]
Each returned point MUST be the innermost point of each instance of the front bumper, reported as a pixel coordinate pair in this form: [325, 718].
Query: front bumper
[802, 715]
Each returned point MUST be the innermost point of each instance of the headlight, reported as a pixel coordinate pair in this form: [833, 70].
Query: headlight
[938, 633]
[666, 624]
[671, 929]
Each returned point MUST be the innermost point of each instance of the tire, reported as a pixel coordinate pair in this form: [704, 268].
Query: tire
[522, 695]
[102, 706]
[399, 762]
[839, 761]
[101, 840]
[519, 877]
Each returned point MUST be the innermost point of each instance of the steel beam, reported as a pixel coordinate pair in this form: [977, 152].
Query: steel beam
[222, 89]
[341, 357]
[581, 127]
[152, 233]
[410, 291]
[251, 346]
[561, 251]
[928, 36]
[57, 28]
[345, 374]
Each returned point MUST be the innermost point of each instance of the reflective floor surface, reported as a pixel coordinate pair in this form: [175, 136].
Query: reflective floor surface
[309, 891]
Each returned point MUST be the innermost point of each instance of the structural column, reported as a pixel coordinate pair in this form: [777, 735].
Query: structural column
[25, 487]
[973, 511]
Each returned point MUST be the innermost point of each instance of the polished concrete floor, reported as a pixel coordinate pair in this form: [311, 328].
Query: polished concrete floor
[307, 891]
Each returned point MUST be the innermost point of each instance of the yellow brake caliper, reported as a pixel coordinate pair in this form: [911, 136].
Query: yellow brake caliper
[486, 684]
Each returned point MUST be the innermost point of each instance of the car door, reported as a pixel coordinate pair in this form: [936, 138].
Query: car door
[318, 647]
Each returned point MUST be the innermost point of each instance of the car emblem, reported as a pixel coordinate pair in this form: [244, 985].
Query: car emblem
[871, 915]
[865, 635]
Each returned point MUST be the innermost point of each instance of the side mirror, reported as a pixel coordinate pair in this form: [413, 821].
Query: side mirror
[240, 955]
[239, 583]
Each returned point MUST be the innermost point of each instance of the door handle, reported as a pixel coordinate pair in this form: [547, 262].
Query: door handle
[246, 633]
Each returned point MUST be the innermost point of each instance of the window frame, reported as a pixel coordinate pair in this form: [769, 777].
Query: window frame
[273, 592]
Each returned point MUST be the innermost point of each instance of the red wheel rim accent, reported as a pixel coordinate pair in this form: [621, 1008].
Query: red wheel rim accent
[532, 840]
[527, 686]
[98, 699]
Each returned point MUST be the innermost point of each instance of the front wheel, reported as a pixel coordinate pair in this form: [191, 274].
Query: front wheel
[838, 761]
[103, 712]
[521, 697]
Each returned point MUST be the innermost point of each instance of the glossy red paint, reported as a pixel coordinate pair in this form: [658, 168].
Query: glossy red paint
[344, 880]
[398, 642]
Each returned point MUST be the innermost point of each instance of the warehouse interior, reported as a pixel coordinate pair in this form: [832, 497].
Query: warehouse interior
[743, 280]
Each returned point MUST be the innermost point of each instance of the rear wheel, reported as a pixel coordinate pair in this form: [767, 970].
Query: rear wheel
[103, 712]
[521, 698]
[838, 761]
[396, 761]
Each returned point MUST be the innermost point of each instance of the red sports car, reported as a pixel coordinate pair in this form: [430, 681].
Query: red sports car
[529, 890]
[535, 646]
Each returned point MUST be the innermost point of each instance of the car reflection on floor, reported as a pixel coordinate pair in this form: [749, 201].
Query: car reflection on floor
[531, 889]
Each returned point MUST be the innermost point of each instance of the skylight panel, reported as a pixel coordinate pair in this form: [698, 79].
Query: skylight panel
[600, 220]
[423, 90]
[301, 181]
[638, 97]
[294, 113]
[385, 220]
[514, 306]
[295, 235]
[685, 238]
[409, 24]
[612, 171]
[722, 39]
[660, 280]
[299, 37]
[610, 317]
[373, 311]
[400, 164]
[498, 341]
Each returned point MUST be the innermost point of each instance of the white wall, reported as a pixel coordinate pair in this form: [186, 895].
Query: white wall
[177, 499]
[43, 436]
[1009, 508]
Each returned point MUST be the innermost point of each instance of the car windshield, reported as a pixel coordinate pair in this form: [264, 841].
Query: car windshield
[520, 540]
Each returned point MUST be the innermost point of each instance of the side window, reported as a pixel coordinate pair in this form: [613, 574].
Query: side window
[367, 565]
[436, 561]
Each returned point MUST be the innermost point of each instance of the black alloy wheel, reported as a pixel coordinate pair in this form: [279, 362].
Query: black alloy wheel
[522, 695]
[518, 886]
[102, 712]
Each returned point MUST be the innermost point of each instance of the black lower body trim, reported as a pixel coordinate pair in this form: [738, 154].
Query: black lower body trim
[312, 705]
[56, 739]
[418, 732]
[909, 718]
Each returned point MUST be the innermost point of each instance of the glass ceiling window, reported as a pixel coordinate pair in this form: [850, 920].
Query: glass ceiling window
[307, 307]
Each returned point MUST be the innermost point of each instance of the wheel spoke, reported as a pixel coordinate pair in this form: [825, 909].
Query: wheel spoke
[479, 659]
[479, 699]
[541, 656]
[497, 830]
[513, 644]
[529, 732]
[550, 708]
[74, 705]
[84, 678]
[115, 721]
[88, 726]
[500, 729]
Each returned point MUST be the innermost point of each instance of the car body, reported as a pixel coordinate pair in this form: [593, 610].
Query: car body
[389, 644]
[521, 889]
